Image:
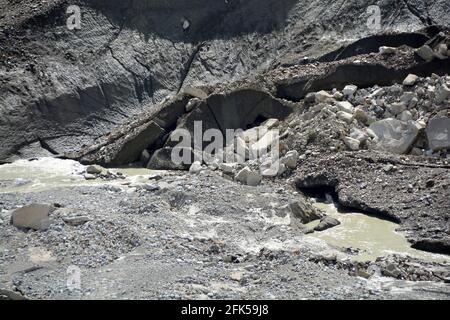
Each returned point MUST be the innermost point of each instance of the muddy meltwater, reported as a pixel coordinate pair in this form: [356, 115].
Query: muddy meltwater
[373, 237]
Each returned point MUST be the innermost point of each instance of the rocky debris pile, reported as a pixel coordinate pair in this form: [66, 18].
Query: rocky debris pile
[412, 118]
[253, 155]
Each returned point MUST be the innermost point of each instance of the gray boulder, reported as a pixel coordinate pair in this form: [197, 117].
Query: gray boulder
[93, 170]
[290, 159]
[410, 80]
[327, 223]
[305, 212]
[34, 216]
[394, 136]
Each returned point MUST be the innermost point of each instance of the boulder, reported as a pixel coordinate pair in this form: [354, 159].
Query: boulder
[323, 96]
[438, 133]
[362, 116]
[359, 135]
[34, 216]
[162, 159]
[94, 170]
[410, 80]
[327, 223]
[350, 90]
[195, 168]
[405, 116]
[290, 159]
[338, 95]
[275, 170]
[248, 177]
[352, 144]
[305, 211]
[228, 168]
[442, 94]
[394, 136]
[425, 52]
[396, 108]
[345, 116]
[345, 106]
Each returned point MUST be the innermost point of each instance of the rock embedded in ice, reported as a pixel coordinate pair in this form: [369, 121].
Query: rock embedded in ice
[438, 133]
[425, 52]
